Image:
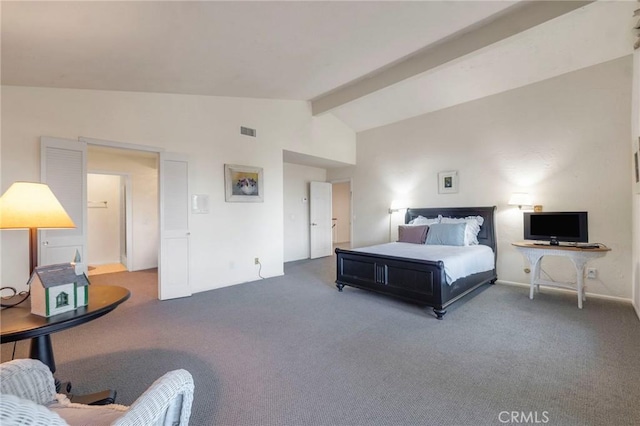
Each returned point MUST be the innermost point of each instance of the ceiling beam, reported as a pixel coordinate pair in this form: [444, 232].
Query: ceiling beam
[514, 20]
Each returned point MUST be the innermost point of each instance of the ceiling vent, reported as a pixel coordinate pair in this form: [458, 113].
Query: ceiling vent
[247, 131]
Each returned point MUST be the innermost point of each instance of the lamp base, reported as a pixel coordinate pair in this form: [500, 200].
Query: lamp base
[33, 249]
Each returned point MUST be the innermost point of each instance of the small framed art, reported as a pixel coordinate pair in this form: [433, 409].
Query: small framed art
[243, 184]
[448, 182]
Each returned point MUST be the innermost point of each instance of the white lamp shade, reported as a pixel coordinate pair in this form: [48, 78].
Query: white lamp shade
[520, 199]
[32, 205]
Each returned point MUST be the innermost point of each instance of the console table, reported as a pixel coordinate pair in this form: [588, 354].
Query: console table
[579, 255]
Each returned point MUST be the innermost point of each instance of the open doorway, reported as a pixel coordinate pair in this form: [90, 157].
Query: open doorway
[341, 204]
[122, 209]
[298, 171]
[108, 222]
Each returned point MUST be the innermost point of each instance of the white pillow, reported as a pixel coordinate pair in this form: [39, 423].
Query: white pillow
[472, 229]
[421, 220]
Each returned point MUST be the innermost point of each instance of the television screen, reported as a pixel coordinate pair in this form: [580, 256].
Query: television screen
[556, 227]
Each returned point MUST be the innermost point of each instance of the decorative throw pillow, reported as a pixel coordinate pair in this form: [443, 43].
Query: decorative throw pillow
[416, 234]
[446, 234]
[473, 227]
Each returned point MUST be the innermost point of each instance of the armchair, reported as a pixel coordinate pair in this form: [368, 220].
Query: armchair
[28, 396]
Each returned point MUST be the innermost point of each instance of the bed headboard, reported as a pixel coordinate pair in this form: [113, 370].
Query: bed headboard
[487, 234]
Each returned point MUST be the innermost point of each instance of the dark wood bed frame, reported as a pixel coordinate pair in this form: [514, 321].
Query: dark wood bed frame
[418, 281]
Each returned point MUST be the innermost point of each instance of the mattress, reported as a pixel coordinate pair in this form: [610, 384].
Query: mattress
[459, 261]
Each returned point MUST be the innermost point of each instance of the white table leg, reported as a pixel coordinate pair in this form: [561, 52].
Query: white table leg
[580, 265]
[580, 289]
[535, 263]
[533, 285]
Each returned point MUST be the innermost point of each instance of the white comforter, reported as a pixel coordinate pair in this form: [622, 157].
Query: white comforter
[459, 261]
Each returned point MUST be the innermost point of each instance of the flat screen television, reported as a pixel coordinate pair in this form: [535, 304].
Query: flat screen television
[556, 227]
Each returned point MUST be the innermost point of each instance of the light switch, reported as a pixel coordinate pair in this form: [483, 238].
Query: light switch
[199, 204]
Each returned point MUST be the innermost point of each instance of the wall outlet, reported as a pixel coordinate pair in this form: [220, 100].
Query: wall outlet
[256, 261]
[592, 273]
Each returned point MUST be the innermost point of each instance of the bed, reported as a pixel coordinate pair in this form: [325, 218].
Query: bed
[415, 280]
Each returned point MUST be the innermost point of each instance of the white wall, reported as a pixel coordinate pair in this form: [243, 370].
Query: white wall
[296, 209]
[565, 140]
[223, 242]
[341, 204]
[103, 219]
[142, 169]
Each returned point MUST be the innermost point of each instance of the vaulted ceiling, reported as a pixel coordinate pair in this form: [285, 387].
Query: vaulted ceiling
[369, 63]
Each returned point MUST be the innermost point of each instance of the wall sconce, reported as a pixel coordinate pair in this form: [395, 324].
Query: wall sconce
[520, 199]
[396, 206]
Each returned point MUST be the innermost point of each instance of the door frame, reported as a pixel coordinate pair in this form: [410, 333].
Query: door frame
[132, 147]
[120, 145]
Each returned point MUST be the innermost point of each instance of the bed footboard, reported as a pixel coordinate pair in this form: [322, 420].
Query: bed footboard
[417, 281]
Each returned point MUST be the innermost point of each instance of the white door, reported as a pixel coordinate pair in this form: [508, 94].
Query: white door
[173, 257]
[63, 166]
[126, 222]
[320, 219]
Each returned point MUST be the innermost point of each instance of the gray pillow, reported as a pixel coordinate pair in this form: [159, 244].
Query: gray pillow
[446, 234]
[416, 234]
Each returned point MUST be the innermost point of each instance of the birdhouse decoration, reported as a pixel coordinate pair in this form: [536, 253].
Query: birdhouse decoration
[58, 288]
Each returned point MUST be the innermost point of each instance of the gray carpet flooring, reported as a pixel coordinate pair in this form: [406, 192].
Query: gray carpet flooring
[292, 350]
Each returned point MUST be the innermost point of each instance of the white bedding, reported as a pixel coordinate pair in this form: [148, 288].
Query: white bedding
[459, 261]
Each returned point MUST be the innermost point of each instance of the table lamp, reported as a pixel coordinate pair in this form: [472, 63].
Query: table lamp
[32, 206]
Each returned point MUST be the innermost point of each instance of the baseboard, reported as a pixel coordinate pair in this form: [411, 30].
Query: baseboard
[201, 289]
[562, 290]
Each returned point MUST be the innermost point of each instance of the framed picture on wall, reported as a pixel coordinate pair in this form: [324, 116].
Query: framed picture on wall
[243, 184]
[448, 182]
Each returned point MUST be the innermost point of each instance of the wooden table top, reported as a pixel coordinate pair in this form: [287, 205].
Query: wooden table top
[18, 323]
[547, 246]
